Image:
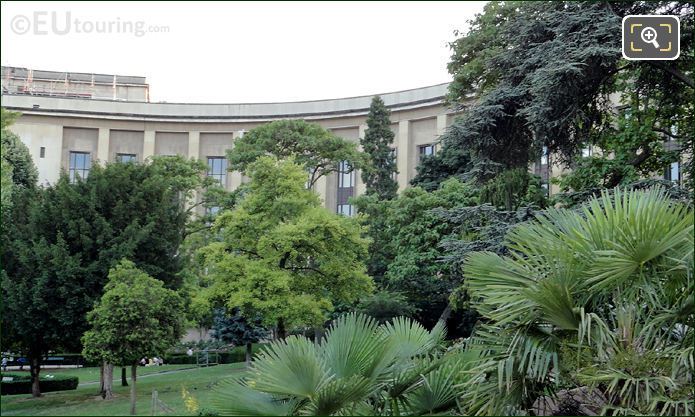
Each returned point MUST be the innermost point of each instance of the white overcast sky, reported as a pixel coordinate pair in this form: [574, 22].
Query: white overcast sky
[242, 52]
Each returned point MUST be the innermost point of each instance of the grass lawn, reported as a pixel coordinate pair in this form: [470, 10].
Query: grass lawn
[85, 401]
[89, 375]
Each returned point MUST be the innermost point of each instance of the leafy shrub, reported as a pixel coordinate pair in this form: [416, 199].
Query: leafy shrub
[233, 355]
[385, 305]
[21, 384]
[599, 299]
[359, 368]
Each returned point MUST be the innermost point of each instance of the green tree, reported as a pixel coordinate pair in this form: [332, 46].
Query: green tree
[385, 305]
[599, 299]
[361, 368]
[5, 184]
[541, 75]
[16, 154]
[63, 239]
[43, 297]
[282, 256]
[378, 174]
[17, 167]
[653, 129]
[512, 189]
[316, 149]
[238, 330]
[417, 230]
[373, 214]
[135, 317]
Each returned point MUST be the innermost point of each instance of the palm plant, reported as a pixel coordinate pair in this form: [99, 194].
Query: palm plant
[360, 368]
[601, 298]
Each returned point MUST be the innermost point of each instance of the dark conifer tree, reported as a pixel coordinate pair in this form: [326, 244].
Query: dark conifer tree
[378, 175]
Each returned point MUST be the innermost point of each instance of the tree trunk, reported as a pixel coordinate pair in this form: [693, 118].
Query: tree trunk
[446, 313]
[108, 381]
[318, 335]
[249, 353]
[133, 379]
[124, 377]
[34, 370]
[101, 379]
[282, 332]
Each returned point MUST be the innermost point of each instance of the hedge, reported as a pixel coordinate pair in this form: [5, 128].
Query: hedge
[237, 354]
[75, 359]
[21, 384]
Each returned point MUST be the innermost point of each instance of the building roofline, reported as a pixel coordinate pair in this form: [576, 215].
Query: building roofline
[326, 108]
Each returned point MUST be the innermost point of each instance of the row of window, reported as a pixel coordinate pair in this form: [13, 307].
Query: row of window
[80, 163]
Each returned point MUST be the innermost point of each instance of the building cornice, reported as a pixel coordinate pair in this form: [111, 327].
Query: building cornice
[208, 112]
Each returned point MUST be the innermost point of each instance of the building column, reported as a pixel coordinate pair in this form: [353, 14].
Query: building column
[360, 186]
[441, 128]
[194, 152]
[321, 188]
[194, 145]
[148, 145]
[403, 155]
[103, 145]
[235, 177]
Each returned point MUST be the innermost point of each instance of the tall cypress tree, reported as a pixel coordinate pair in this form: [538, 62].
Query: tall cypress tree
[378, 175]
[381, 187]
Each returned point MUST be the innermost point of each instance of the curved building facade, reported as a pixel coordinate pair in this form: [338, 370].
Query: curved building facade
[66, 131]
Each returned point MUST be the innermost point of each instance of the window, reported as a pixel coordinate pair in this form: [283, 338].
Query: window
[126, 157]
[544, 156]
[346, 188]
[42, 152]
[345, 209]
[217, 169]
[346, 175]
[673, 172]
[212, 211]
[426, 150]
[394, 155]
[80, 163]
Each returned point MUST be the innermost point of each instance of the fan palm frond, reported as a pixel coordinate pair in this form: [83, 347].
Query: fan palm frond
[232, 397]
[352, 347]
[290, 367]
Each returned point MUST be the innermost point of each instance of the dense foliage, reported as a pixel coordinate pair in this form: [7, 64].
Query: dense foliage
[63, 239]
[17, 383]
[316, 149]
[377, 143]
[237, 330]
[17, 168]
[601, 298]
[533, 74]
[281, 255]
[378, 176]
[15, 153]
[415, 232]
[385, 305]
[136, 317]
[360, 368]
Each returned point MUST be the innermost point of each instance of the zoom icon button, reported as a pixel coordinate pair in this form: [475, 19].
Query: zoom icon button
[653, 37]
